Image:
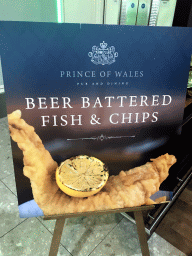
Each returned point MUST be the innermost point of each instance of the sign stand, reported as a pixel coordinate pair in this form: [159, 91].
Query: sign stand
[60, 221]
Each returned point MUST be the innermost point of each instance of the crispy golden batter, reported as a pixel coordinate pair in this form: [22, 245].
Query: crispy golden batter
[160, 200]
[128, 189]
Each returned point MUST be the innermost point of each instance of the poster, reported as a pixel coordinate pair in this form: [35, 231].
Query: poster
[114, 93]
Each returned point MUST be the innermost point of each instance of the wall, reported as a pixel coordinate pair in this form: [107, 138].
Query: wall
[28, 10]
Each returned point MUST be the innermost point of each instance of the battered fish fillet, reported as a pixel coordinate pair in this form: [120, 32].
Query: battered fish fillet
[128, 189]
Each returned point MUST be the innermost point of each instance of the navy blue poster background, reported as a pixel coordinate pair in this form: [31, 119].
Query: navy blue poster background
[113, 92]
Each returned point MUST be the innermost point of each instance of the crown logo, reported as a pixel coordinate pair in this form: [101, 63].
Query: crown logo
[103, 55]
[103, 45]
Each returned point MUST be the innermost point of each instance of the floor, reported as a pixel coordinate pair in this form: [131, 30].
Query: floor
[177, 230]
[108, 235]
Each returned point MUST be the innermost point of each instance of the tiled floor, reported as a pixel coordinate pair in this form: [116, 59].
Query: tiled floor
[108, 235]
